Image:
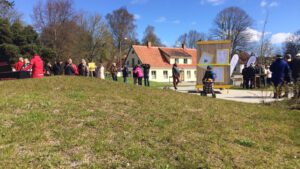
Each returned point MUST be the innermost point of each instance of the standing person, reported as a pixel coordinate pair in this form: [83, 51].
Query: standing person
[288, 79]
[114, 72]
[48, 69]
[37, 66]
[146, 68]
[18, 66]
[280, 69]
[176, 75]
[245, 77]
[83, 68]
[140, 75]
[269, 76]
[125, 72]
[251, 73]
[100, 71]
[57, 68]
[295, 68]
[69, 68]
[134, 75]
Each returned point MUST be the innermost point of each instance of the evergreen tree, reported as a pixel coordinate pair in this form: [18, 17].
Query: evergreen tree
[5, 33]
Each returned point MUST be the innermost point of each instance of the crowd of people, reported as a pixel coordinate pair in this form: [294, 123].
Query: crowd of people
[38, 69]
[282, 74]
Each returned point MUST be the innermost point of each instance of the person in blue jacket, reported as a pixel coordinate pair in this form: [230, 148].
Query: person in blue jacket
[280, 71]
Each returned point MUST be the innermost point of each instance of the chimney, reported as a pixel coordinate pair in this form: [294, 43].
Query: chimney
[149, 44]
[183, 46]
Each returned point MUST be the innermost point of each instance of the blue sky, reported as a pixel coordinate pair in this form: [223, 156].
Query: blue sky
[172, 18]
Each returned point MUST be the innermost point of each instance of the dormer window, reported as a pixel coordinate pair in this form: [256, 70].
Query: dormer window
[176, 60]
[185, 61]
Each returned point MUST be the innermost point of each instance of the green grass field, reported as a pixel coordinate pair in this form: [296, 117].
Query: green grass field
[73, 122]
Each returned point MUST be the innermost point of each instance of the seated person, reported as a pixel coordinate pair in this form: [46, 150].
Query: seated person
[209, 75]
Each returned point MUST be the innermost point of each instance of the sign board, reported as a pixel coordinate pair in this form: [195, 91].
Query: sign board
[92, 66]
[217, 55]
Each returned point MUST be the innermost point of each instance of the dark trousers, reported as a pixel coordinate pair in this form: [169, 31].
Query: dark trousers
[146, 81]
[175, 81]
[125, 80]
[114, 77]
[269, 81]
[140, 81]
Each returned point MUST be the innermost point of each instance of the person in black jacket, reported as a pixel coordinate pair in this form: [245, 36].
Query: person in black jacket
[251, 73]
[245, 77]
[57, 68]
[69, 70]
[125, 72]
[146, 68]
[295, 68]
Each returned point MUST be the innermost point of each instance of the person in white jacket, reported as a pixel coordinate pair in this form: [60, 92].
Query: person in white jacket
[100, 72]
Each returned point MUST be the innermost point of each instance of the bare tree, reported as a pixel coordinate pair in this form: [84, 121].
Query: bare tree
[122, 26]
[190, 38]
[56, 20]
[232, 24]
[7, 11]
[99, 43]
[150, 36]
[292, 45]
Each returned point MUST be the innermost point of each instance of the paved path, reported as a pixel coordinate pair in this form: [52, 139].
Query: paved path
[247, 96]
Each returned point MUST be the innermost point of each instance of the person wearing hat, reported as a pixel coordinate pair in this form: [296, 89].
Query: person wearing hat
[288, 79]
[175, 75]
[295, 68]
[280, 70]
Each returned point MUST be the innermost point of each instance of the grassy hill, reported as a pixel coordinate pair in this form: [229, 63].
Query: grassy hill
[69, 122]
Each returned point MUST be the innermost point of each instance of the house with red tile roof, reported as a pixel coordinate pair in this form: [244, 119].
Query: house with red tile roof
[161, 60]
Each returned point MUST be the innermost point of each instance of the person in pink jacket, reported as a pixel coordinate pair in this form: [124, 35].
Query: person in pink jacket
[37, 66]
[140, 74]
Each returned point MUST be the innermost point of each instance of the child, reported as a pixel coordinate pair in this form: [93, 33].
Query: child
[208, 80]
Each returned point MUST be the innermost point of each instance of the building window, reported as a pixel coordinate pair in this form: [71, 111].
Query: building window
[195, 72]
[185, 61]
[189, 74]
[139, 62]
[132, 52]
[133, 62]
[153, 74]
[165, 74]
[176, 60]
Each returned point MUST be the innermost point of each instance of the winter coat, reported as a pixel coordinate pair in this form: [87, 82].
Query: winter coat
[125, 71]
[139, 72]
[280, 70]
[295, 68]
[146, 68]
[209, 75]
[175, 72]
[57, 69]
[69, 70]
[75, 69]
[19, 65]
[83, 70]
[37, 65]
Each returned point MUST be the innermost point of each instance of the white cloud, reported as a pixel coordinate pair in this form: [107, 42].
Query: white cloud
[161, 19]
[280, 37]
[135, 2]
[255, 35]
[212, 2]
[177, 22]
[137, 16]
[273, 4]
[265, 3]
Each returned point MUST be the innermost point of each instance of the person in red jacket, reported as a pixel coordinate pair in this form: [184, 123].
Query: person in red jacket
[37, 65]
[19, 64]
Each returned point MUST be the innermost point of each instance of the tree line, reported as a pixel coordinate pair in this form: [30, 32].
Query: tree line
[59, 32]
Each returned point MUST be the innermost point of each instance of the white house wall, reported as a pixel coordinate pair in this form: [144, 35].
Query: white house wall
[161, 78]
